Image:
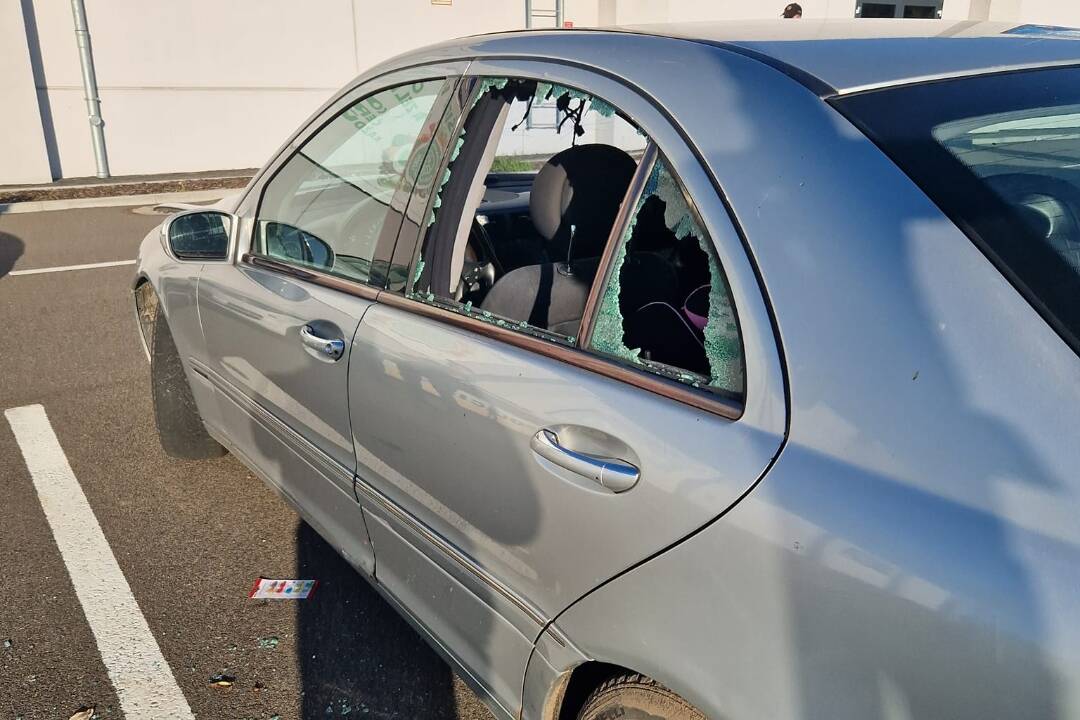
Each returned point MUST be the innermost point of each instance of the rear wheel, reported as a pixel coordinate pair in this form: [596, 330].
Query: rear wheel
[179, 425]
[636, 697]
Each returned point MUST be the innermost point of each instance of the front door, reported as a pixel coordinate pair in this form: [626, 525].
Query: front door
[556, 401]
[279, 323]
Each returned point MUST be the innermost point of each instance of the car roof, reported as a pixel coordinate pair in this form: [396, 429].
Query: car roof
[843, 56]
[862, 54]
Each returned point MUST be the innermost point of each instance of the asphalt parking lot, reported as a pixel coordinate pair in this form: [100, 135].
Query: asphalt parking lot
[189, 538]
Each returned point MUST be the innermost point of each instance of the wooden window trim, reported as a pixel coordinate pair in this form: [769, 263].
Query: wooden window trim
[575, 356]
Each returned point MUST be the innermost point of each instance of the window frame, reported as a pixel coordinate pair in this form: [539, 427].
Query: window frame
[448, 85]
[765, 397]
[250, 203]
[577, 354]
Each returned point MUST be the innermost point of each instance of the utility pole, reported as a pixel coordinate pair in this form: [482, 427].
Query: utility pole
[90, 89]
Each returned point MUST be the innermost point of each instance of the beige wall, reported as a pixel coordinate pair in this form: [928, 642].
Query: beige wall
[1042, 12]
[23, 156]
[189, 85]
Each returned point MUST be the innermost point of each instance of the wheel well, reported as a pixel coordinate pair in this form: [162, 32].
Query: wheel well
[585, 678]
[146, 311]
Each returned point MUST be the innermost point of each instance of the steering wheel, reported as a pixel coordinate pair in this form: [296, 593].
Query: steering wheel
[478, 271]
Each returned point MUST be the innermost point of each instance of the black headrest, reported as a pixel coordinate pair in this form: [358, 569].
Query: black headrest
[582, 187]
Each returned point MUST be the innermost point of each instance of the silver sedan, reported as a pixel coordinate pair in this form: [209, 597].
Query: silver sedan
[682, 372]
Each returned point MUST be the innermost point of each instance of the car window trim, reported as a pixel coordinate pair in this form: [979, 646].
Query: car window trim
[294, 148]
[577, 354]
[572, 355]
[618, 228]
[468, 90]
[700, 399]
[355, 288]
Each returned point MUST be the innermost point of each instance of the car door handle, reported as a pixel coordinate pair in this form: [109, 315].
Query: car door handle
[615, 475]
[332, 348]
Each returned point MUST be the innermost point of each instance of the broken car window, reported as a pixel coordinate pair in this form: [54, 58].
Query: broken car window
[667, 307]
[525, 204]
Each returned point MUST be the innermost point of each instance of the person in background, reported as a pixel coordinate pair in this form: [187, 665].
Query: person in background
[793, 11]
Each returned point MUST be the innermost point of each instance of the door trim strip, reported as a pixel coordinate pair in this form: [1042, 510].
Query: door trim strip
[448, 549]
[315, 456]
[318, 458]
[615, 240]
[701, 399]
[349, 287]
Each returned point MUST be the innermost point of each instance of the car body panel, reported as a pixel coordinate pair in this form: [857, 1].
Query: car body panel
[279, 402]
[473, 404]
[914, 551]
[911, 552]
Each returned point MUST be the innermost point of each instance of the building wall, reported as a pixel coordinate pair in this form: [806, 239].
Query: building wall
[202, 84]
[23, 155]
[190, 85]
[1041, 12]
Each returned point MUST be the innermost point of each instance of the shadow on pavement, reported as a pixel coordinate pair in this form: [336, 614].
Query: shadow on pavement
[357, 656]
[11, 249]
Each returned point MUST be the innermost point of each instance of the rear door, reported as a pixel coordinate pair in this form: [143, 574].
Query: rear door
[511, 468]
[279, 323]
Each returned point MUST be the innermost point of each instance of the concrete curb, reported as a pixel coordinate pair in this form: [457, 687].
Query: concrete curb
[117, 201]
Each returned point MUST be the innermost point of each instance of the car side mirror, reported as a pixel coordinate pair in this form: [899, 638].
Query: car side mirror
[199, 235]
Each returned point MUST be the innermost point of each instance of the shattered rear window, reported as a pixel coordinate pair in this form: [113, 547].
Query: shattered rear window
[667, 306]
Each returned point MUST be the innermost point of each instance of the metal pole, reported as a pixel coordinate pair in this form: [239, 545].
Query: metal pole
[558, 13]
[528, 14]
[93, 102]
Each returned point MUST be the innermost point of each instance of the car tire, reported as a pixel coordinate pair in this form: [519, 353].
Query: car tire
[180, 427]
[636, 697]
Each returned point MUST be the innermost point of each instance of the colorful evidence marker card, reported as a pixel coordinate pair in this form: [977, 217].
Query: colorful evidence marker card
[267, 589]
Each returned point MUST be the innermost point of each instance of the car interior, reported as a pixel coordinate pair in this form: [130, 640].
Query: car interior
[523, 247]
[1028, 159]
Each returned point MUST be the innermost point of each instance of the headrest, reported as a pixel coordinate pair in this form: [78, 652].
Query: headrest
[582, 187]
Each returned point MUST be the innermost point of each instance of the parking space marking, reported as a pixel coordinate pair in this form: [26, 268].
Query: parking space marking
[144, 683]
[65, 268]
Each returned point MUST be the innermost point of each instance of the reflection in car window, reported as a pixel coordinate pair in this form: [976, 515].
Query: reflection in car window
[334, 201]
[666, 306]
[1000, 154]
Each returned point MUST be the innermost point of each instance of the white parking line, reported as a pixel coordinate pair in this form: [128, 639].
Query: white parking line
[64, 268]
[143, 681]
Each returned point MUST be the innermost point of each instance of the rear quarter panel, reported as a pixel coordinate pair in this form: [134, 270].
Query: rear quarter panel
[914, 551]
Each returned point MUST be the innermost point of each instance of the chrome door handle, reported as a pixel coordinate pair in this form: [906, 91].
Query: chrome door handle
[332, 348]
[615, 475]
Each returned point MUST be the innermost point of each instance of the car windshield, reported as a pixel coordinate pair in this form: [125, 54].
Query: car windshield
[1000, 155]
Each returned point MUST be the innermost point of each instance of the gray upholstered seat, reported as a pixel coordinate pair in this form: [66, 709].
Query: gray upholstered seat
[573, 204]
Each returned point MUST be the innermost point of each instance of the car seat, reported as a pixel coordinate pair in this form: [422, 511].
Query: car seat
[574, 200]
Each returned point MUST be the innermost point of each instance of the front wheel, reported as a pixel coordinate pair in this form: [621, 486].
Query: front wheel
[636, 697]
[179, 425]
